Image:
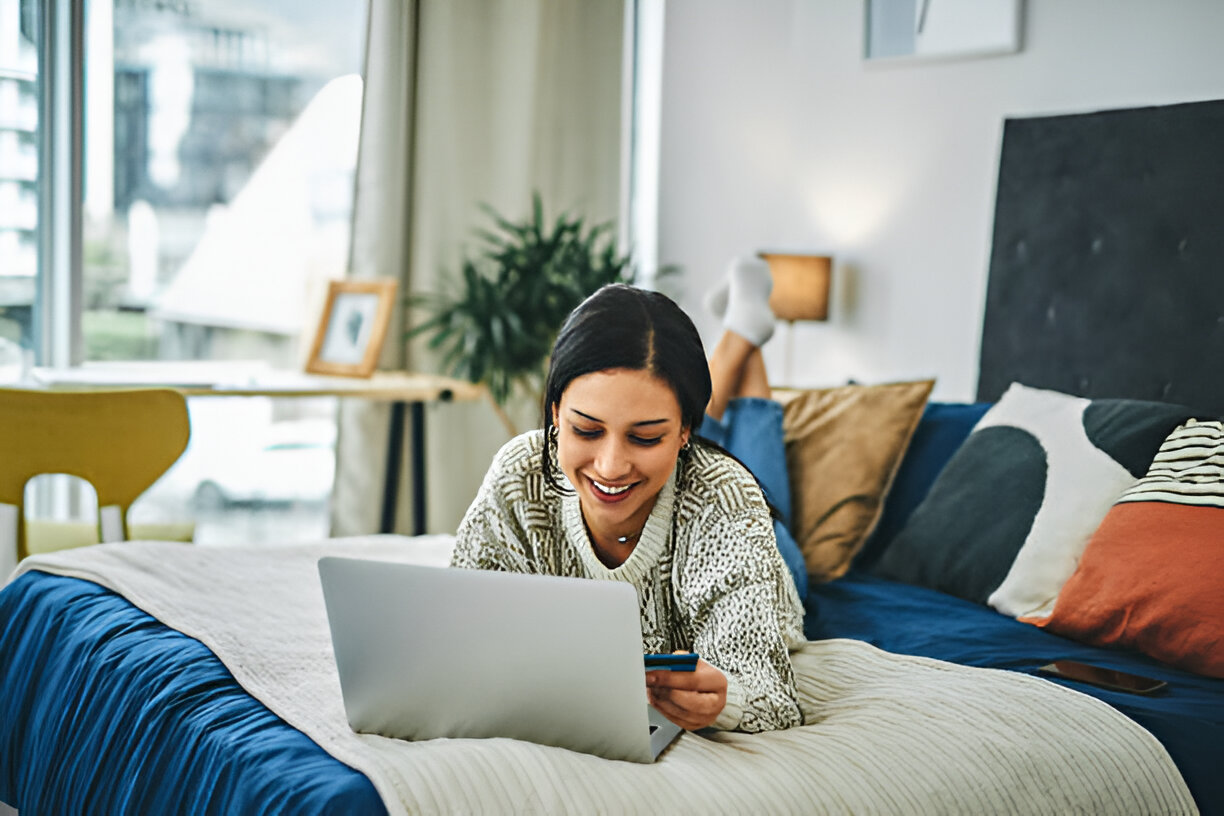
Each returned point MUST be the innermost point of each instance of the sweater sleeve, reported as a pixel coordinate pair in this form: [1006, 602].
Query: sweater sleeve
[745, 617]
[490, 536]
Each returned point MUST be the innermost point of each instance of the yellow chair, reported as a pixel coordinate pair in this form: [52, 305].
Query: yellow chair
[120, 441]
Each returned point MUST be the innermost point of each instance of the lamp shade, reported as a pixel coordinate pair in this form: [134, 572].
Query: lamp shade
[800, 285]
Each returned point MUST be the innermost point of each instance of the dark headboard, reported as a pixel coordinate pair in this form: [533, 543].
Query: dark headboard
[1107, 267]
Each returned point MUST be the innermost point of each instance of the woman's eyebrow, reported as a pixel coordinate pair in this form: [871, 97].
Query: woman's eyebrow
[586, 416]
[636, 424]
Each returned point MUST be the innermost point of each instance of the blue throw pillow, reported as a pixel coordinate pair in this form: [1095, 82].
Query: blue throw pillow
[942, 429]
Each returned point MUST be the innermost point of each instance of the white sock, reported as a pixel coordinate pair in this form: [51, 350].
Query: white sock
[716, 300]
[748, 313]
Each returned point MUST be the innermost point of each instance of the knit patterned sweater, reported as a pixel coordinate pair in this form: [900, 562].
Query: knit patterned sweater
[706, 567]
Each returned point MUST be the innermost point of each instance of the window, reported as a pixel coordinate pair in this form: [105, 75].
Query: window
[18, 179]
[215, 178]
[220, 144]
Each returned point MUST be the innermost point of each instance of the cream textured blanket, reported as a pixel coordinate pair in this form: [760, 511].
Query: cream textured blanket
[884, 733]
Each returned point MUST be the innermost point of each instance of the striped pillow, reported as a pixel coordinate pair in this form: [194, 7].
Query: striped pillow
[1152, 576]
[1188, 468]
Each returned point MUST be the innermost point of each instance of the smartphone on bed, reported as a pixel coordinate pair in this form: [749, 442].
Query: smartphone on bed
[1105, 678]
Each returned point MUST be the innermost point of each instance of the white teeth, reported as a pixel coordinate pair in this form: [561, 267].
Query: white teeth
[611, 491]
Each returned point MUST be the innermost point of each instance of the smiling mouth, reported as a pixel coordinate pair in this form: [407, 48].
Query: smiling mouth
[610, 492]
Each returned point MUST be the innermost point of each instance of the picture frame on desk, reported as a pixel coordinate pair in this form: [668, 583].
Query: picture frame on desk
[352, 328]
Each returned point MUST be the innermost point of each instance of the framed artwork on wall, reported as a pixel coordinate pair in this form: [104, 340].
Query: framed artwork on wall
[352, 328]
[920, 29]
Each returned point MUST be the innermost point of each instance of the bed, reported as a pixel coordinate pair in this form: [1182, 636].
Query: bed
[155, 677]
[114, 711]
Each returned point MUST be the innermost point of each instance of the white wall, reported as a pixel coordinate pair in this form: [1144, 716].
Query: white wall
[777, 135]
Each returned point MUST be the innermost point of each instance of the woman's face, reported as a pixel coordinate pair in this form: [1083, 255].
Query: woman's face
[618, 434]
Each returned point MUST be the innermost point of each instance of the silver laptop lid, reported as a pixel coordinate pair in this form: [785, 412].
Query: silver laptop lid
[426, 652]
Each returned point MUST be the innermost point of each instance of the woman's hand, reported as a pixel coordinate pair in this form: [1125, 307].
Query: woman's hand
[691, 700]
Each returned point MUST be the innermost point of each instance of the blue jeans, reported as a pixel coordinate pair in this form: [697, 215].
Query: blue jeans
[751, 431]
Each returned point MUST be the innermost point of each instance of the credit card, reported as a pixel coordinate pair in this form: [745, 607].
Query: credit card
[685, 661]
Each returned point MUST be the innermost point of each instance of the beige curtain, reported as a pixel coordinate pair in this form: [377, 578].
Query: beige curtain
[469, 101]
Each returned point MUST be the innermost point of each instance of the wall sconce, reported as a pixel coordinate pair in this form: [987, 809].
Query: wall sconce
[800, 285]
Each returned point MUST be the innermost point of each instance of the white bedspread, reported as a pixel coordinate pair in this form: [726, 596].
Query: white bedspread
[883, 733]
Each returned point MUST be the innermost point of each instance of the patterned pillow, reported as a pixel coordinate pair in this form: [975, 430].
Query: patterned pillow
[1007, 519]
[843, 447]
[1152, 577]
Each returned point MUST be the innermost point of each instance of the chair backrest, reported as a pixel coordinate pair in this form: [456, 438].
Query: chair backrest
[120, 441]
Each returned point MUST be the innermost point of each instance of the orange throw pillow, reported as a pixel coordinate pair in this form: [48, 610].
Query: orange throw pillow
[1152, 575]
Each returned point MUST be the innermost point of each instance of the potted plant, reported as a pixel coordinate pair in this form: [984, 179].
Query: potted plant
[497, 323]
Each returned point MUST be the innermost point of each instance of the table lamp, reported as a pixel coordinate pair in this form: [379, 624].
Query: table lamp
[800, 292]
[800, 286]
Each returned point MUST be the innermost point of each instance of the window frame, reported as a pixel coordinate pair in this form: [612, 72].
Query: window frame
[56, 314]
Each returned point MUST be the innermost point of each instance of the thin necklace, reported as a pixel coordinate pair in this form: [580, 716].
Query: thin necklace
[625, 539]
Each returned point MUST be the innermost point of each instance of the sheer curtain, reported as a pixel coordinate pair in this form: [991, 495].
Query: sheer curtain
[468, 101]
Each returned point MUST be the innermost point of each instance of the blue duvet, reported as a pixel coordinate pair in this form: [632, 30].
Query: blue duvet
[105, 710]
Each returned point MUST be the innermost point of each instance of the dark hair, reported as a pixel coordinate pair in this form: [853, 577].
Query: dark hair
[622, 326]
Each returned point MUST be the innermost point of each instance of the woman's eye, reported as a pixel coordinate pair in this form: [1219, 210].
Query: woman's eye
[595, 433]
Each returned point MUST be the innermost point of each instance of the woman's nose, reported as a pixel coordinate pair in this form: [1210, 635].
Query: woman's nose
[612, 460]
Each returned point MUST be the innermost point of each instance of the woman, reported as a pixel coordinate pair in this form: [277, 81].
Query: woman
[618, 487]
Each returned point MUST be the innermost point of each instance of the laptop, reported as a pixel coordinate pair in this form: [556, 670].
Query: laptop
[428, 652]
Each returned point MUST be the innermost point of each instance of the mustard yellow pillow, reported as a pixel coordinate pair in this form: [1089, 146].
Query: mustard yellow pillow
[843, 447]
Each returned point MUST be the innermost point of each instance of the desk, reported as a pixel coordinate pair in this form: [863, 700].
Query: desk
[404, 390]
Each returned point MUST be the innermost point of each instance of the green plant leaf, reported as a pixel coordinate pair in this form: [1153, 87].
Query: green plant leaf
[498, 323]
